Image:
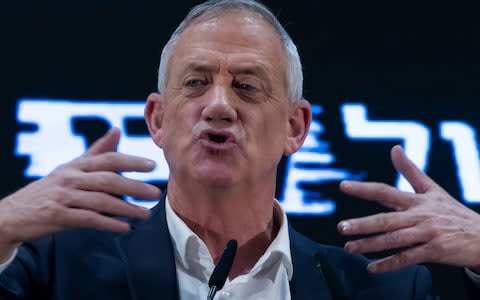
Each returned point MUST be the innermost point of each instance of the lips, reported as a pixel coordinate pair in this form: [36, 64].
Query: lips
[217, 139]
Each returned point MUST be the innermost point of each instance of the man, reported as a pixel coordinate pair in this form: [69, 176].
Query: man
[229, 107]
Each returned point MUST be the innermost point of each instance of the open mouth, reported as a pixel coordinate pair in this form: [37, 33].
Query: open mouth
[217, 138]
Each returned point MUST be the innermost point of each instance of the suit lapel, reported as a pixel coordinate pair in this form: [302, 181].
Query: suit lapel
[148, 256]
[150, 264]
[308, 281]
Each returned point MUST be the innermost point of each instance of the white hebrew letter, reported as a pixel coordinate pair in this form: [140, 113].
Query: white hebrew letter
[465, 149]
[55, 143]
[414, 135]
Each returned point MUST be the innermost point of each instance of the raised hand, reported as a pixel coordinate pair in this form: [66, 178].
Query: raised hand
[76, 194]
[430, 224]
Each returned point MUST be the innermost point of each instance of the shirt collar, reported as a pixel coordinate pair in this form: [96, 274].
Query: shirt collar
[189, 248]
[186, 243]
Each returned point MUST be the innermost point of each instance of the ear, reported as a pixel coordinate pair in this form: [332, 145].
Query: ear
[299, 120]
[154, 116]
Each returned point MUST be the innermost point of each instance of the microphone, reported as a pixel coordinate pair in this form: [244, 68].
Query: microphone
[220, 273]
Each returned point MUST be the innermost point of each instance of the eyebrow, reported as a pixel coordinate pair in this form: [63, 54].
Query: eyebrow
[255, 70]
[199, 67]
[245, 69]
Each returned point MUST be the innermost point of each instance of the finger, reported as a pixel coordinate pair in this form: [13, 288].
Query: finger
[401, 238]
[400, 260]
[104, 203]
[80, 218]
[107, 143]
[382, 222]
[420, 182]
[109, 182]
[115, 162]
[379, 192]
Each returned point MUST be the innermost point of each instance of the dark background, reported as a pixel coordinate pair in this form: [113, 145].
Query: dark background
[405, 60]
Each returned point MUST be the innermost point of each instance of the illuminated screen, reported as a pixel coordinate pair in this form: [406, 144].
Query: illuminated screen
[377, 74]
[55, 141]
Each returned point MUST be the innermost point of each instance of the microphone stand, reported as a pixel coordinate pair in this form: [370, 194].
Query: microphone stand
[220, 273]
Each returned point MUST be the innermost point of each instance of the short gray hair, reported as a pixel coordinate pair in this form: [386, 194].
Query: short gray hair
[216, 7]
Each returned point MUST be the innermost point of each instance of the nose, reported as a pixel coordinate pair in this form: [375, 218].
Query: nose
[219, 111]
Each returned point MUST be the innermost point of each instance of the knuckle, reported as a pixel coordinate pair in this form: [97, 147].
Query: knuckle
[391, 238]
[440, 197]
[82, 219]
[68, 179]
[432, 250]
[381, 189]
[61, 195]
[437, 247]
[414, 199]
[402, 259]
[383, 220]
[109, 157]
[103, 203]
[106, 179]
[434, 232]
[384, 187]
[51, 212]
[88, 219]
[421, 217]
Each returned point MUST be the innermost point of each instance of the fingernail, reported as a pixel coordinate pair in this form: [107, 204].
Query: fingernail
[145, 211]
[149, 163]
[112, 130]
[125, 227]
[346, 184]
[350, 247]
[154, 190]
[344, 226]
[372, 268]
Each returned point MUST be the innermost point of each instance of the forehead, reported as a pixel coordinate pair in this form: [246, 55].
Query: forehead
[236, 36]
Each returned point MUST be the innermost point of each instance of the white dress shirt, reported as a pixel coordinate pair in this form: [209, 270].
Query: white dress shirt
[268, 279]
[5, 264]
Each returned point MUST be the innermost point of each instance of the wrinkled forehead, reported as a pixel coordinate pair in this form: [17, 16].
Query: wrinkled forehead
[237, 33]
[244, 25]
[249, 16]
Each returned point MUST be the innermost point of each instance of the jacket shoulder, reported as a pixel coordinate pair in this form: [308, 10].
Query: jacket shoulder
[347, 275]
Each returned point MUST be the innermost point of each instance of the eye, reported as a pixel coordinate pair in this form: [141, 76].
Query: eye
[194, 83]
[244, 86]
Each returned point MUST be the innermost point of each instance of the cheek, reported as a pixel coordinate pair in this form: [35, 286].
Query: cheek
[178, 123]
[271, 133]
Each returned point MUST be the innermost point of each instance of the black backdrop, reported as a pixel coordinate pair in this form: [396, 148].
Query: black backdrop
[403, 60]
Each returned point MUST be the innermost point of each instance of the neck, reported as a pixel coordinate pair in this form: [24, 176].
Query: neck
[219, 215]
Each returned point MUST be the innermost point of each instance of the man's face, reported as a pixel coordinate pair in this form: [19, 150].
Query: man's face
[224, 117]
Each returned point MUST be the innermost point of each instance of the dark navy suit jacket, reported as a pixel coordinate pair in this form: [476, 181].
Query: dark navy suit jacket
[83, 264]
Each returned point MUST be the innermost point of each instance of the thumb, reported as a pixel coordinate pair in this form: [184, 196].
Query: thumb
[420, 181]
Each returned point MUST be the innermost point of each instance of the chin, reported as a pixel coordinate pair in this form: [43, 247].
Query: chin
[216, 177]
[217, 183]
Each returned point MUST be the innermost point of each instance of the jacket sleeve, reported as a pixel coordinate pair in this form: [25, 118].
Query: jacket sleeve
[422, 284]
[28, 275]
[473, 290]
